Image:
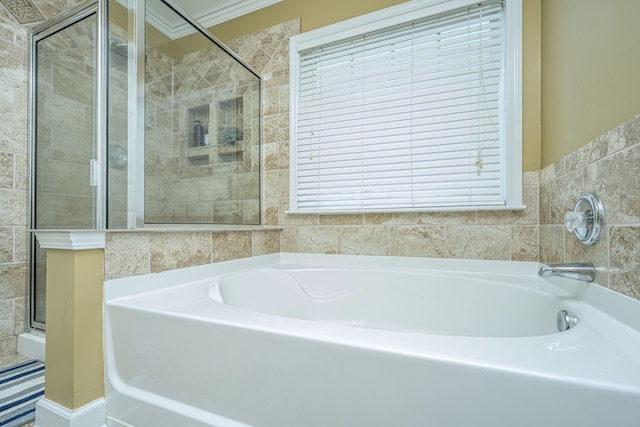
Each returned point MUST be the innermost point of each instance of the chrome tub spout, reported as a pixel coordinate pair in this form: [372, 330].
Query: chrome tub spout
[584, 271]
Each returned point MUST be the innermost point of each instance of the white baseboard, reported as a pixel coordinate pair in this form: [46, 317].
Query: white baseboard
[32, 344]
[50, 414]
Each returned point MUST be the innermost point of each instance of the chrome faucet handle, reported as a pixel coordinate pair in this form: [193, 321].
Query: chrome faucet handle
[586, 220]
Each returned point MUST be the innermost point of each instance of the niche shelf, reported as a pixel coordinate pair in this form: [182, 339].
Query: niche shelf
[198, 126]
[215, 134]
[229, 129]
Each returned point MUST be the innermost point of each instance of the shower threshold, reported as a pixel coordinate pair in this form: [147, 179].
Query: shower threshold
[31, 344]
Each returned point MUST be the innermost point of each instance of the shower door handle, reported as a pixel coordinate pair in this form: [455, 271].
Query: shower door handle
[93, 172]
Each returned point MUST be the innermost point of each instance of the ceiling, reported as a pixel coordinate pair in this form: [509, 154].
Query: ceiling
[207, 12]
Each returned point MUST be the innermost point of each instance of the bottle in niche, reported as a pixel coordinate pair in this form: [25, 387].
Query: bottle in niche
[198, 134]
[206, 136]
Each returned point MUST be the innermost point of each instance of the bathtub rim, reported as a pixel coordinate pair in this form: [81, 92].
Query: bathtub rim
[123, 287]
[618, 306]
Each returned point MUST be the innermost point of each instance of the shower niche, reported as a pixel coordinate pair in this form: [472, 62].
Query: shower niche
[198, 118]
[215, 132]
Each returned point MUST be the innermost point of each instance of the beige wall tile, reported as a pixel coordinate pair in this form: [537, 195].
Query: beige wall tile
[270, 155]
[417, 241]
[364, 240]
[126, 254]
[576, 251]
[552, 243]
[6, 244]
[13, 207]
[408, 218]
[270, 211]
[14, 62]
[21, 244]
[20, 315]
[13, 138]
[169, 251]
[231, 245]
[6, 170]
[625, 260]
[320, 239]
[7, 318]
[12, 280]
[289, 239]
[346, 219]
[276, 184]
[8, 345]
[524, 243]
[478, 242]
[447, 218]
[265, 242]
[531, 178]
[616, 180]
[276, 128]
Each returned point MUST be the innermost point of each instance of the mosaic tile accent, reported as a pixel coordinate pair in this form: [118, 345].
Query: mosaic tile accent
[24, 11]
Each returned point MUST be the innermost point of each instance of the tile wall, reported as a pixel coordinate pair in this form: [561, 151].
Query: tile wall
[13, 180]
[608, 166]
[133, 254]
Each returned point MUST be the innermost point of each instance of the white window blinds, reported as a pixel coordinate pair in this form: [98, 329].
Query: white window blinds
[403, 118]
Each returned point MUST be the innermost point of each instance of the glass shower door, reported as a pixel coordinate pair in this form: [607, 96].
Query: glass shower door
[64, 187]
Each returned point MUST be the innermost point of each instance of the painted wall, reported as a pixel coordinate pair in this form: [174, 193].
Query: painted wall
[590, 71]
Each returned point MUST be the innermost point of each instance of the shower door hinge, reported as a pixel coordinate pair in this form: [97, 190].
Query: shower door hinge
[93, 172]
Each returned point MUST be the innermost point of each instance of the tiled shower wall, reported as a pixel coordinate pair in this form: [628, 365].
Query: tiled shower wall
[188, 184]
[13, 180]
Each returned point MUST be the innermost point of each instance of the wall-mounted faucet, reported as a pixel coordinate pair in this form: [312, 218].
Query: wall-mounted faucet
[584, 271]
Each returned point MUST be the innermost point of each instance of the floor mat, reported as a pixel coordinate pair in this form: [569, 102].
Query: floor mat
[21, 386]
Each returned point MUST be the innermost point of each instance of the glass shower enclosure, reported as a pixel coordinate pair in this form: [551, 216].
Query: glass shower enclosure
[140, 119]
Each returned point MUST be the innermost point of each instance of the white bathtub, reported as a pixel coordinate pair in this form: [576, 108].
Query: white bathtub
[293, 340]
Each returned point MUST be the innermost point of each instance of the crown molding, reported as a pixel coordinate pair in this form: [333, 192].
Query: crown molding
[222, 12]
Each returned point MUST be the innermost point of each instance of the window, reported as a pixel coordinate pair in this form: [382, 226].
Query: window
[412, 108]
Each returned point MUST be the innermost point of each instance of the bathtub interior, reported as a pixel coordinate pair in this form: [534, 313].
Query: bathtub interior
[191, 348]
[415, 302]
